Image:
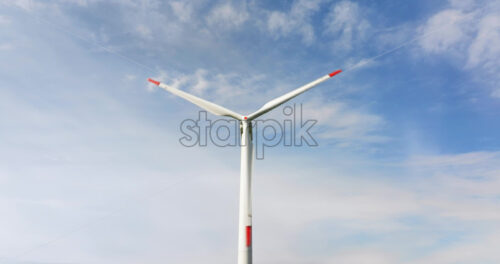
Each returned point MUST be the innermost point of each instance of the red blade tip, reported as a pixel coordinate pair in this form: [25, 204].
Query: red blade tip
[153, 81]
[335, 73]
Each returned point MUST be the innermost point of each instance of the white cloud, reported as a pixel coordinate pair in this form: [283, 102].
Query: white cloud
[295, 22]
[195, 83]
[347, 24]
[473, 158]
[426, 206]
[468, 32]
[24, 4]
[183, 10]
[483, 249]
[444, 30]
[227, 16]
[485, 49]
[340, 121]
[475, 174]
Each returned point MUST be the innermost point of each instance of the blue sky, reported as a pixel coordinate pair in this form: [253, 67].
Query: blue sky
[408, 164]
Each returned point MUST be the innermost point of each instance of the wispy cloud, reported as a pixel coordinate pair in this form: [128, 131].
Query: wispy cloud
[227, 16]
[183, 10]
[452, 29]
[474, 158]
[372, 215]
[485, 49]
[469, 32]
[24, 4]
[341, 122]
[295, 22]
[347, 23]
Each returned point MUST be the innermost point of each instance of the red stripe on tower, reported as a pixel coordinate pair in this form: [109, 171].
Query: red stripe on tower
[249, 236]
[335, 73]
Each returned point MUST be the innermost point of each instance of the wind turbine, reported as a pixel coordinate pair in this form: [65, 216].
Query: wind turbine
[245, 214]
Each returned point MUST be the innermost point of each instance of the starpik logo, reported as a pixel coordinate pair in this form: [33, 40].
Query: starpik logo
[293, 130]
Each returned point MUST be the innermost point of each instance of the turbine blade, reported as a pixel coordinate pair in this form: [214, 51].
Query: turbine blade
[209, 106]
[286, 97]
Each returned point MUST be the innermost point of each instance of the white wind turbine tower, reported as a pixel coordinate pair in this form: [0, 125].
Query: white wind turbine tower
[245, 214]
